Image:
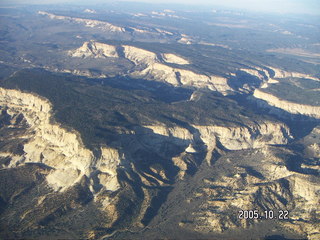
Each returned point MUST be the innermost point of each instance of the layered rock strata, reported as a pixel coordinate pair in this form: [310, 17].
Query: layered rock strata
[50, 144]
[270, 100]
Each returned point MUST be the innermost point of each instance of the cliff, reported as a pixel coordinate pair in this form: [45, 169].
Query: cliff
[95, 50]
[149, 66]
[177, 77]
[86, 22]
[239, 138]
[253, 179]
[172, 58]
[279, 73]
[139, 56]
[50, 144]
[251, 173]
[214, 137]
[269, 100]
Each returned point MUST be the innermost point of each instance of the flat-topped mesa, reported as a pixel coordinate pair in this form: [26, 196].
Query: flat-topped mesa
[87, 22]
[153, 69]
[212, 82]
[172, 58]
[177, 77]
[94, 50]
[271, 101]
[50, 144]
[176, 135]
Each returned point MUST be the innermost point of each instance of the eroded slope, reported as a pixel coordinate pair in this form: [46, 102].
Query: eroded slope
[133, 167]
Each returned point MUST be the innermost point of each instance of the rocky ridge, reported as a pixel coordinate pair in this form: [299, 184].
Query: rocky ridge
[229, 138]
[87, 22]
[275, 103]
[50, 144]
[94, 49]
[149, 170]
[279, 73]
[63, 151]
[154, 69]
[70, 162]
[171, 58]
[267, 99]
[263, 185]
[106, 26]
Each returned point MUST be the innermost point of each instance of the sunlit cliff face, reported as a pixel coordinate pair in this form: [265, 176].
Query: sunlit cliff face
[158, 123]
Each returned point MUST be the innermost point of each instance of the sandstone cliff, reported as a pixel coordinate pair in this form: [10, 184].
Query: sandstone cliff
[139, 56]
[294, 108]
[250, 175]
[239, 138]
[254, 179]
[95, 50]
[149, 66]
[155, 70]
[214, 137]
[86, 22]
[279, 73]
[270, 76]
[172, 58]
[50, 144]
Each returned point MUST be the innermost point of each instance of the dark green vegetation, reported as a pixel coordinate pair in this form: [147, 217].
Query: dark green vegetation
[102, 110]
[153, 200]
[304, 91]
[73, 210]
[238, 30]
[51, 39]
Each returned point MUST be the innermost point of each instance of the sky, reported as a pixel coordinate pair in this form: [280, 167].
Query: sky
[275, 6]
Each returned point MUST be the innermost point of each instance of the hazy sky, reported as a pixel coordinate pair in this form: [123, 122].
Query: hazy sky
[280, 6]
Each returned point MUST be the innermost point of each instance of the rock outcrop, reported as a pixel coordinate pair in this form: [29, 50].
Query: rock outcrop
[177, 77]
[86, 22]
[77, 72]
[185, 39]
[271, 101]
[260, 73]
[239, 138]
[251, 174]
[269, 76]
[150, 66]
[95, 50]
[172, 58]
[139, 56]
[268, 73]
[230, 138]
[50, 144]
[259, 181]
[279, 73]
